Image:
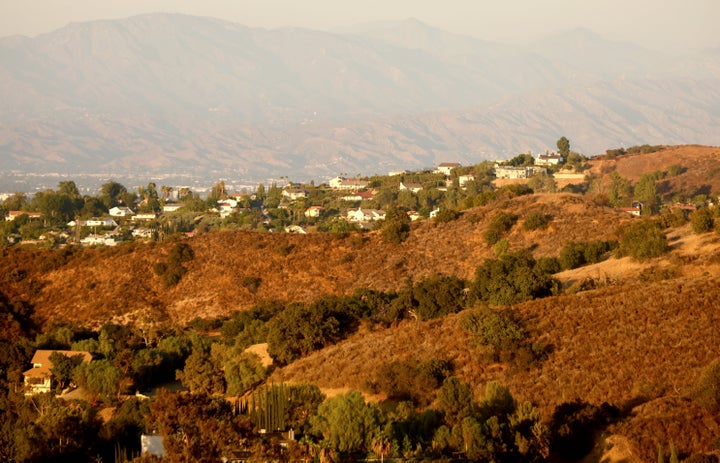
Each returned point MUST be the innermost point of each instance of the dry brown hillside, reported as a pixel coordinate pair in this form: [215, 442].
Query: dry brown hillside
[640, 345]
[701, 168]
[95, 285]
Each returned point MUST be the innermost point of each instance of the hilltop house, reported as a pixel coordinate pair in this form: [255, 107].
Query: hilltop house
[464, 179]
[518, 172]
[12, 215]
[294, 194]
[314, 211]
[172, 207]
[39, 378]
[412, 187]
[342, 183]
[365, 215]
[118, 211]
[446, 168]
[551, 159]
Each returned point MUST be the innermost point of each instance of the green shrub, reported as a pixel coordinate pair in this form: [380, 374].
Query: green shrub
[493, 327]
[702, 221]
[512, 278]
[641, 240]
[536, 221]
[446, 215]
[500, 224]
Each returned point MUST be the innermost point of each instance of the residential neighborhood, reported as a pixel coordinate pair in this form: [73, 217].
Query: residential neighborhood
[341, 204]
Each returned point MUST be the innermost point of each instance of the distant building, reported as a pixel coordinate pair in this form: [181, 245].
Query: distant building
[551, 159]
[314, 211]
[342, 183]
[412, 187]
[518, 172]
[446, 168]
[118, 211]
[12, 215]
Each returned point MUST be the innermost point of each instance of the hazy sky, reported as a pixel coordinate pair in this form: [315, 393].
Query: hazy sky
[652, 23]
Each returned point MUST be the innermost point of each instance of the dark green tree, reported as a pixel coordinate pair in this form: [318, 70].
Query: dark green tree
[642, 239]
[563, 146]
[347, 423]
[396, 226]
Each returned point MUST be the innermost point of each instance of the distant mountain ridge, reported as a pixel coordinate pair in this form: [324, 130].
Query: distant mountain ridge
[173, 93]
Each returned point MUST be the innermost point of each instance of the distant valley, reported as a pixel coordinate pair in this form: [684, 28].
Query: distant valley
[171, 94]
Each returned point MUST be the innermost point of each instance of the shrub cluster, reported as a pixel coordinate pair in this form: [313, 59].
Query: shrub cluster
[173, 270]
[576, 254]
[513, 278]
[642, 240]
[500, 224]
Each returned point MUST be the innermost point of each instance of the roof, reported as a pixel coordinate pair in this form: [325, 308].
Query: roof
[449, 164]
[42, 358]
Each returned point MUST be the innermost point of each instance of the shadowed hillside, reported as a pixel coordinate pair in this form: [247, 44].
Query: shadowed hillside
[96, 285]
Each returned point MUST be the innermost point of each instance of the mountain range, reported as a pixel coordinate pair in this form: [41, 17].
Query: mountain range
[166, 93]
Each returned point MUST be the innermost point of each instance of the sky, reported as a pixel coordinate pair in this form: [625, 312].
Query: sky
[658, 24]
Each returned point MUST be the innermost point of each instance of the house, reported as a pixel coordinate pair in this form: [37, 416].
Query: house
[446, 168]
[342, 183]
[227, 207]
[412, 187]
[39, 378]
[518, 172]
[365, 215]
[294, 194]
[144, 216]
[142, 232]
[297, 229]
[314, 211]
[635, 211]
[94, 222]
[464, 179]
[104, 240]
[414, 215]
[12, 215]
[120, 211]
[172, 207]
[551, 159]
[359, 196]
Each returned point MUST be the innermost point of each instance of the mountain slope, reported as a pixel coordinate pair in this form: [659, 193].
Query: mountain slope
[163, 93]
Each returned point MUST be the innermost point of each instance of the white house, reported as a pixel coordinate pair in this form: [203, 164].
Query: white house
[144, 216]
[295, 229]
[94, 222]
[294, 194]
[314, 211]
[12, 215]
[359, 196]
[412, 187]
[39, 378]
[464, 179]
[446, 167]
[342, 183]
[518, 172]
[172, 207]
[551, 159]
[118, 211]
[103, 240]
[365, 215]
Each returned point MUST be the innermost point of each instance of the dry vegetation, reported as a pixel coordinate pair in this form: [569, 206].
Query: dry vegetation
[639, 340]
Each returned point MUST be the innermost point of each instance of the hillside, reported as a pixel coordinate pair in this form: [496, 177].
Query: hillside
[699, 173]
[291, 267]
[637, 335]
